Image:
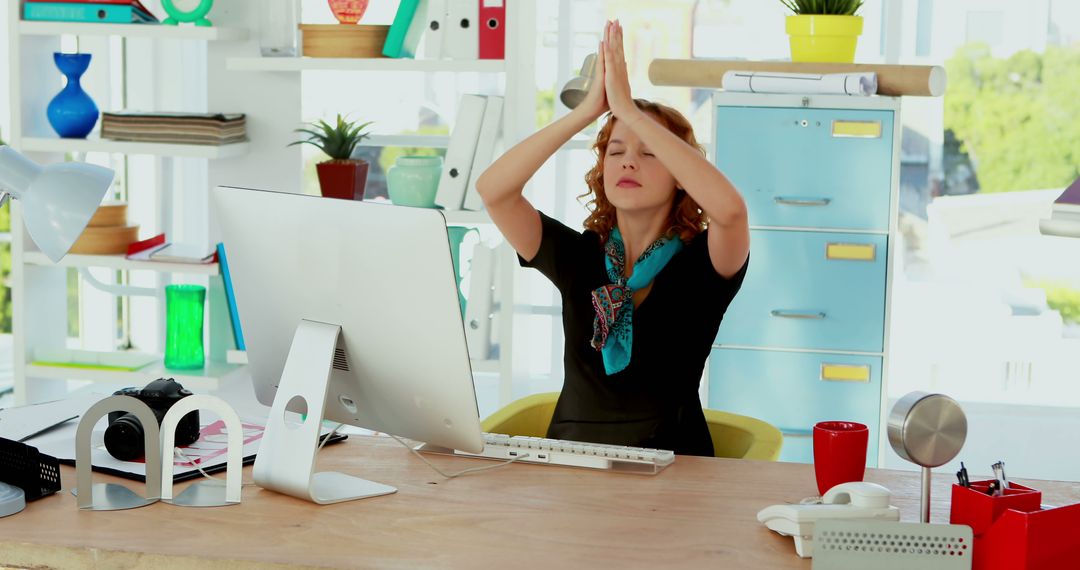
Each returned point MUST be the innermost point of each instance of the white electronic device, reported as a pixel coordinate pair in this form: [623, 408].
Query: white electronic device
[856, 500]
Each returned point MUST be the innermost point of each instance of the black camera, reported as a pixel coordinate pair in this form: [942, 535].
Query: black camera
[124, 438]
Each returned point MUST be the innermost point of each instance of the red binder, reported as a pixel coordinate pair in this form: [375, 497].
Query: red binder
[492, 29]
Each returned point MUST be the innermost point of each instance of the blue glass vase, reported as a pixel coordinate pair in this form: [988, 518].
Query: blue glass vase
[72, 113]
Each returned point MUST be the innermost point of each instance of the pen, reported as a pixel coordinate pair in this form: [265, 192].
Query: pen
[962, 475]
[999, 475]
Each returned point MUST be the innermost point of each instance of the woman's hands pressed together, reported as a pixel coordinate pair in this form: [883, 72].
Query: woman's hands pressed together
[616, 79]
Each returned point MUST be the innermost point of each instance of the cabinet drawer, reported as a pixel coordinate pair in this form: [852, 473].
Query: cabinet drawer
[827, 168]
[795, 390]
[823, 291]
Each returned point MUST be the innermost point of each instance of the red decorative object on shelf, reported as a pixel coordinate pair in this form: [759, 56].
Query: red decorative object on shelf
[348, 11]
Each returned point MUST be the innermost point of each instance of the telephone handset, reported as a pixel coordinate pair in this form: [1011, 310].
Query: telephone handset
[855, 500]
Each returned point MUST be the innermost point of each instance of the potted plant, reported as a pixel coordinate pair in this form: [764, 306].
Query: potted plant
[341, 176]
[823, 30]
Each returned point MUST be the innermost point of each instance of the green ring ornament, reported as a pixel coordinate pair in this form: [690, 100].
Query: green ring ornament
[194, 11]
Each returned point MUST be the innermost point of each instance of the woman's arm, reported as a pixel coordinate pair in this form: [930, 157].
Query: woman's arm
[729, 230]
[502, 184]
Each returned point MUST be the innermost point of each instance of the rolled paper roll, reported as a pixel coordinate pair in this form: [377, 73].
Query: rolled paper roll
[894, 80]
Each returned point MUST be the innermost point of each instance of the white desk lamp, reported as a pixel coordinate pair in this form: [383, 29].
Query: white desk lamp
[58, 199]
[573, 93]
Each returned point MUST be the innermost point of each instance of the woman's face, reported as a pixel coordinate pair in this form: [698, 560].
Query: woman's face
[633, 178]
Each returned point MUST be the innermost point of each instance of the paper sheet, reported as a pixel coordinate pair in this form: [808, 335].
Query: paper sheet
[862, 84]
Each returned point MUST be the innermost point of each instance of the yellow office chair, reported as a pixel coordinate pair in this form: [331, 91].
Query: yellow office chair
[734, 436]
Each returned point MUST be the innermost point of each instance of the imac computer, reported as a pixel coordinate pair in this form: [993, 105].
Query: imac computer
[350, 313]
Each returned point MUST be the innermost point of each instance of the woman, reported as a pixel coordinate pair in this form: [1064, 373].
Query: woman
[645, 286]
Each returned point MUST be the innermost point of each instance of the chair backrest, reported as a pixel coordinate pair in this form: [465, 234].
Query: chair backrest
[733, 435]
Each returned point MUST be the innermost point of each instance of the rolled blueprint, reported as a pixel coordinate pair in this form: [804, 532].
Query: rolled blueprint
[815, 83]
[893, 80]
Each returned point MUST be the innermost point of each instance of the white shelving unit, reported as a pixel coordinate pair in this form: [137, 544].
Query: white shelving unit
[285, 73]
[208, 378]
[361, 64]
[94, 144]
[152, 31]
[120, 263]
[134, 61]
[230, 78]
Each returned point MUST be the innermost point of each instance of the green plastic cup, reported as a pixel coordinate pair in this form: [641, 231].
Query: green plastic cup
[184, 326]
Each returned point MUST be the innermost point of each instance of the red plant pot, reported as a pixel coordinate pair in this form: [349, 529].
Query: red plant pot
[348, 11]
[344, 179]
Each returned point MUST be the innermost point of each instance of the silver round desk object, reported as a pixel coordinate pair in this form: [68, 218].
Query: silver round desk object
[928, 430]
[12, 499]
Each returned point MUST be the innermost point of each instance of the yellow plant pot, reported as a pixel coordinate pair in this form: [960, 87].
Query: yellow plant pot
[824, 38]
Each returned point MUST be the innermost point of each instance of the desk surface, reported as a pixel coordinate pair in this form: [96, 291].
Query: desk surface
[699, 512]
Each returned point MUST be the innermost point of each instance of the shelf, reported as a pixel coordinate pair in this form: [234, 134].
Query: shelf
[156, 31]
[423, 141]
[208, 378]
[362, 64]
[120, 262]
[57, 144]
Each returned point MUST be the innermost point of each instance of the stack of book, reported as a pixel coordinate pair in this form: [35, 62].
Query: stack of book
[95, 11]
[178, 128]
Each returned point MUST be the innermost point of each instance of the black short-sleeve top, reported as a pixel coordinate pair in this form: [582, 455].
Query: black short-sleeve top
[654, 401]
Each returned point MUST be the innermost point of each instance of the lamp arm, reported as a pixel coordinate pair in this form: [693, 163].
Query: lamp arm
[118, 290]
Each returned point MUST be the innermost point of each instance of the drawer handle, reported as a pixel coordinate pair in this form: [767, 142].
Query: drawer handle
[787, 201]
[791, 432]
[857, 129]
[797, 314]
[851, 251]
[845, 372]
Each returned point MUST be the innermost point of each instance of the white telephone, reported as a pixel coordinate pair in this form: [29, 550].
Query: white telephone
[855, 500]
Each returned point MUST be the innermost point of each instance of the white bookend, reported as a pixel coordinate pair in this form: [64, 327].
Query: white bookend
[490, 129]
[460, 151]
[435, 30]
[462, 39]
[478, 307]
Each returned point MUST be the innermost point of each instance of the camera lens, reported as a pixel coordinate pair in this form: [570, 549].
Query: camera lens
[124, 438]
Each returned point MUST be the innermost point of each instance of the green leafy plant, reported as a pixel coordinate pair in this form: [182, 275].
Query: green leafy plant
[830, 7]
[337, 141]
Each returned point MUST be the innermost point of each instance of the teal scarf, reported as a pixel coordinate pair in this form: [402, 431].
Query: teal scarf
[613, 331]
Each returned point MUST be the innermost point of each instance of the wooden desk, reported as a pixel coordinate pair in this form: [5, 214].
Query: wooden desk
[698, 513]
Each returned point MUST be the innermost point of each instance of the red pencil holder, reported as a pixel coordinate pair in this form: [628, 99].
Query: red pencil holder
[1013, 532]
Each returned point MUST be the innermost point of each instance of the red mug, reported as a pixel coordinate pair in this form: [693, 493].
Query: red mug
[839, 453]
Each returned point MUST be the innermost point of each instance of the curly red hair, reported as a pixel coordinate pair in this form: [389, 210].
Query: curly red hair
[686, 218]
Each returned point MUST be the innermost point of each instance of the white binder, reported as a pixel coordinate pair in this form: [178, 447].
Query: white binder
[478, 308]
[460, 151]
[490, 128]
[462, 40]
[435, 30]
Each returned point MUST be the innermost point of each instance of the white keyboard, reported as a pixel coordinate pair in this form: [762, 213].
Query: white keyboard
[569, 453]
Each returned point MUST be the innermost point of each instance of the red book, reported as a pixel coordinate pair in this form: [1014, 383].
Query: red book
[492, 29]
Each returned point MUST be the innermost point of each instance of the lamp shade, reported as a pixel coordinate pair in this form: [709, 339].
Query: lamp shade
[57, 200]
[573, 93]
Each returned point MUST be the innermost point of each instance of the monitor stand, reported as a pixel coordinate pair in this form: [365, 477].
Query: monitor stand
[286, 459]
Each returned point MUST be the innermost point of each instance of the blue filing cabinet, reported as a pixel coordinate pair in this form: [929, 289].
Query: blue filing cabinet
[806, 338]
